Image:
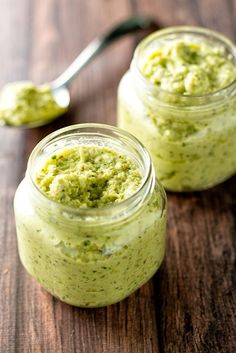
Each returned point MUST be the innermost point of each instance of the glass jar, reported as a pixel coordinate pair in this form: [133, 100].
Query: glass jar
[191, 138]
[91, 257]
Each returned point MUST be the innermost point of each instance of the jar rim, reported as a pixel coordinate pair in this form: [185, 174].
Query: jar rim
[117, 208]
[191, 30]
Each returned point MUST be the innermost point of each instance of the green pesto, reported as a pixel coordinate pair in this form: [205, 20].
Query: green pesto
[88, 176]
[23, 103]
[91, 265]
[86, 262]
[189, 130]
[189, 68]
[187, 156]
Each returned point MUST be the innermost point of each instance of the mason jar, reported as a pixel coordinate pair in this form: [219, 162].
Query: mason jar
[91, 257]
[191, 138]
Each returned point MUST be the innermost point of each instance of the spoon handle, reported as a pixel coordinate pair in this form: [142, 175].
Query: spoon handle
[97, 45]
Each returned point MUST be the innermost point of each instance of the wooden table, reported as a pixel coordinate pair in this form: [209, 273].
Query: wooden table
[190, 305]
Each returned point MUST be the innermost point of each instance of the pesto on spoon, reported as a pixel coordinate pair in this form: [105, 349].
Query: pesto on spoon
[27, 105]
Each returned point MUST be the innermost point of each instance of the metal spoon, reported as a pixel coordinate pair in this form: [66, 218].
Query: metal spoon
[59, 86]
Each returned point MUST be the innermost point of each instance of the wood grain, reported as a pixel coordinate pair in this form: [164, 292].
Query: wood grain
[190, 305]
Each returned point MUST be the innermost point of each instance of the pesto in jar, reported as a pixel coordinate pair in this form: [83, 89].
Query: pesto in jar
[91, 227]
[179, 99]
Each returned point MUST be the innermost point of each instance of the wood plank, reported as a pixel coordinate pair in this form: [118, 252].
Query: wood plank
[190, 304]
[196, 304]
[13, 63]
[197, 281]
[57, 34]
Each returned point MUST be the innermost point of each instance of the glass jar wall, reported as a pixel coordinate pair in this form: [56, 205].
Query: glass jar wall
[191, 138]
[95, 256]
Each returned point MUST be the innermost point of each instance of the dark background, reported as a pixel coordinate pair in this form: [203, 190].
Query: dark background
[190, 305]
